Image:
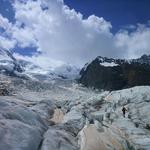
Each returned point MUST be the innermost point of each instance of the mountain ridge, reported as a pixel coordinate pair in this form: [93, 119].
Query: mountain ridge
[10, 65]
[114, 74]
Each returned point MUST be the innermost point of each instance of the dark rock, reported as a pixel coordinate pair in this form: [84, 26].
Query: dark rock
[123, 75]
[147, 126]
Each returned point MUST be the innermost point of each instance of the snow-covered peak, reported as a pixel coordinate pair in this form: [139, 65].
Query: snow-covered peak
[113, 74]
[144, 59]
[65, 71]
[107, 61]
[107, 64]
[8, 63]
[101, 59]
[112, 62]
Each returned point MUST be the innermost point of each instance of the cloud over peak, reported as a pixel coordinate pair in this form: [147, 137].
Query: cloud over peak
[63, 34]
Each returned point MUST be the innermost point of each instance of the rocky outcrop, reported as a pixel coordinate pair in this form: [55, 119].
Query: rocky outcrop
[115, 74]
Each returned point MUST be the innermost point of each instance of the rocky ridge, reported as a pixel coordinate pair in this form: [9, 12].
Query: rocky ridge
[114, 74]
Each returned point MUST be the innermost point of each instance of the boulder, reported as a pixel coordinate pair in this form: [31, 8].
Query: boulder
[55, 139]
[73, 121]
[15, 135]
[44, 108]
[21, 113]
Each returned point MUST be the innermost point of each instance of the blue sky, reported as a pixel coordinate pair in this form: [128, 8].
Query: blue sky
[119, 12]
[75, 31]
[6, 9]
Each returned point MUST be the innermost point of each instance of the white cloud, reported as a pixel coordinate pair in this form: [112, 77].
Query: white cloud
[61, 33]
[7, 43]
[135, 43]
[24, 37]
[41, 60]
[6, 27]
[4, 23]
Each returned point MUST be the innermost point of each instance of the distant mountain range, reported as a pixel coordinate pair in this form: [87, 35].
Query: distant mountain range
[11, 66]
[114, 74]
[102, 73]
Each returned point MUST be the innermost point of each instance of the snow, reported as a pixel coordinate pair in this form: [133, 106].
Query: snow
[7, 65]
[37, 72]
[107, 64]
[67, 70]
[4, 55]
[6, 62]
[101, 59]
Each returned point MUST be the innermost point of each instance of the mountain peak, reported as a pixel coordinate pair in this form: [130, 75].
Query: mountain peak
[115, 74]
[144, 59]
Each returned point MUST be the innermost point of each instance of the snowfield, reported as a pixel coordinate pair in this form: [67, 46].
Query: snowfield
[106, 64]
[63, 115]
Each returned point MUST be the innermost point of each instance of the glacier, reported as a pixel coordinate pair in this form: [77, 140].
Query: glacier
[45, 111]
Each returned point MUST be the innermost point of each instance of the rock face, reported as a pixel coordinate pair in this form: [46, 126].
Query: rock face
[114, 74]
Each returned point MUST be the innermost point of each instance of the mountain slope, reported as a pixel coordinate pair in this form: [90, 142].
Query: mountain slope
[114, 74]
[8, 64]
[64, 71]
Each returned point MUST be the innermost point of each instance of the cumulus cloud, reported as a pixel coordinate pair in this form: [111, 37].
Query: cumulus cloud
[134, 43]
[7, 43]
[4, 23]
[63, 34]
[41, 60]
[5, 27]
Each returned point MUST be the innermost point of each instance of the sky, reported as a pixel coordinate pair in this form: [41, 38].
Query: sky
[56, 32]
[119, 12]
